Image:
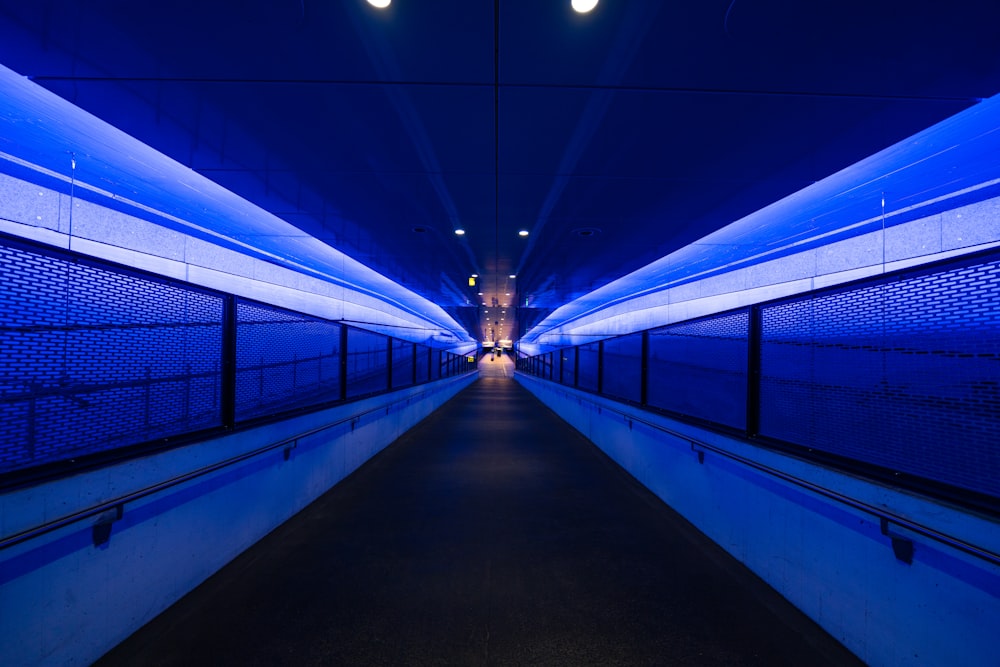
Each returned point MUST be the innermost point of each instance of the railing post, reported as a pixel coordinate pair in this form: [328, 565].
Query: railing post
[388, 364]
[600, 367]
[343, 362]
[227, 386]
[753, 372]
[644, 370]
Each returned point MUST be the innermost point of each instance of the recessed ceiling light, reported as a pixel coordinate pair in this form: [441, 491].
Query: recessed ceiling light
[523, 232]
[382, 4]
[582, 6]
[460, 232]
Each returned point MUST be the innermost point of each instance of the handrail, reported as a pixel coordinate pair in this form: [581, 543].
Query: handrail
[120, 501]
[882, 515]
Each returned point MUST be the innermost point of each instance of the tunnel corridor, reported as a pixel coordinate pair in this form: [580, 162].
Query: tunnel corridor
[490, 534]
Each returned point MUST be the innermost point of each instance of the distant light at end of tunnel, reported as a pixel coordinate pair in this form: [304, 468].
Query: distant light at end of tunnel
[582, 6]
[460, 232]
[523, 232]
[382, 4]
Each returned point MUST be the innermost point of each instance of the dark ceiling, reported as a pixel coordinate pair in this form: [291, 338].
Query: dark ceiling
[621, 135]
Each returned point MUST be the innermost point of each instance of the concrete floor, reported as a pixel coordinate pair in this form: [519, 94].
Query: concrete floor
[490, 534]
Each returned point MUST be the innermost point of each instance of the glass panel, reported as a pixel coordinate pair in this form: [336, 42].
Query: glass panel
[904, 374]
[588, 355]
[93, 358]
[569, 366]
[402, 363]
[623, 367]
[284, 360]
[436, 364]
[422, 361]
[366, 362]
[699, 368]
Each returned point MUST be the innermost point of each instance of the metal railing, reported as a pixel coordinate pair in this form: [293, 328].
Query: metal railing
[886, 518]
[906, 364]
[113, 510]
[112, 357]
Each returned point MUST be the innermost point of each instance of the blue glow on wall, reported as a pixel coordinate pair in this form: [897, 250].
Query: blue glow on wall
[51, 143]
[950, 165]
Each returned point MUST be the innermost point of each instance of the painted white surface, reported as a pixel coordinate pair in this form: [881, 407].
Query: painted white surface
[828, 559]
[64, 601]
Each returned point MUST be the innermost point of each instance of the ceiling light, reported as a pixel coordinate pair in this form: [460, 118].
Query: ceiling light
[382, 4]
[475, 275]
[523, 232]
[460, 232]
[582, 6]
[512, 276]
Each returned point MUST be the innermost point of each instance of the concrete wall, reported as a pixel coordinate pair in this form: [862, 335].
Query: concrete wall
[960, 231]
[64, 601]
[830, 560]
[44, 215]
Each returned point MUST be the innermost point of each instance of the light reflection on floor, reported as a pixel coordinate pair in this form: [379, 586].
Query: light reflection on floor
[500, 367]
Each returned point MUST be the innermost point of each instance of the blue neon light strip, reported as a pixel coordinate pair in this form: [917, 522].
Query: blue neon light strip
[951, 164]
[48, 141]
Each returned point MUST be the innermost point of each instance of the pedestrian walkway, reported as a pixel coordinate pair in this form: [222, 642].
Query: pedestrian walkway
[490, 534]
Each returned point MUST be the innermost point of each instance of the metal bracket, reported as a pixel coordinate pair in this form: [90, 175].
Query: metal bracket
[902, 547]
[699, 452]
[101, 531]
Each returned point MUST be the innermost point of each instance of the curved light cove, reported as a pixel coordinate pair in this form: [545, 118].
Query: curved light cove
[934, 195]
[47, 141]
